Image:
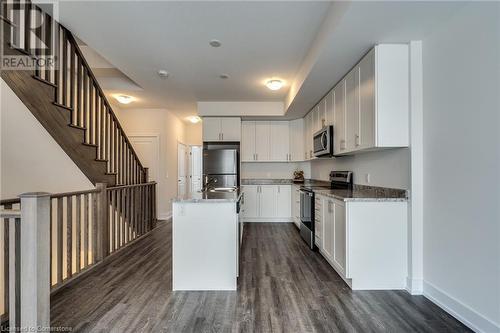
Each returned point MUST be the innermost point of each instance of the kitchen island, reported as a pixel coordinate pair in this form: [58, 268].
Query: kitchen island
[206, 236]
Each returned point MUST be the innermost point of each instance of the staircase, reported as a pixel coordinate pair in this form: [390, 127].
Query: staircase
[66, 98]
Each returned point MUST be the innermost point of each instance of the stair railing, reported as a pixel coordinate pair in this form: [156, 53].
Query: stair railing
[77, 89]
[78, 230]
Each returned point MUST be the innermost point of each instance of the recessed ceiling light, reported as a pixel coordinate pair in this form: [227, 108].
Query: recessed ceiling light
[163, 73]
[224, 76]
[194, 119]
[124, 99]
[215, 43]
[274, 84]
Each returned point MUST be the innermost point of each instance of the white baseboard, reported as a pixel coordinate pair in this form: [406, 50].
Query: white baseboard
[414, 286]
[468, 316]
[261, 220]
[165, 216]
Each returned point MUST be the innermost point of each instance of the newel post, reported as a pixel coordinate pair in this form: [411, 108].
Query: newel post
[35, 261]
[102, 222]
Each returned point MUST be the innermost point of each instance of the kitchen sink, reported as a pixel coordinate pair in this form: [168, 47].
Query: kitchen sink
[222, 189]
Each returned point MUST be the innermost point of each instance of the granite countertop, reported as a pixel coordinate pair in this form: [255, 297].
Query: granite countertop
[358, 193]
[212, 197]
[364, 193]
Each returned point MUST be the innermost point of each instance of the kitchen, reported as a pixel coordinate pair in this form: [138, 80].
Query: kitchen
[337, 138]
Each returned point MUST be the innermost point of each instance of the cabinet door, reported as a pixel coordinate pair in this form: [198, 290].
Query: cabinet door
[211, 129]
[283, 202]
[262, 140]
[297, 140]
[339, 141]
[231, 129]
[322, 113]
[339, 231]
[309, 135]
[247, 141]
[251, 203]
[329, 109]
[279, 140]
[316, 116]
[366, 137]
[328, 234]
[267, 201]
[296, 205]
[352, 109]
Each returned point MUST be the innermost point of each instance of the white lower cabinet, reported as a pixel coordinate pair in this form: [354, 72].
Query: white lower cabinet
[296, 205]
[267, 203]
[365, 242]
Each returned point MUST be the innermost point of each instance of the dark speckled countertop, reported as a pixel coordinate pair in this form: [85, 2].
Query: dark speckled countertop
[358, 193]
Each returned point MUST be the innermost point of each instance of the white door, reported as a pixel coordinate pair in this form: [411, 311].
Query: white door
[327, 224]
[211, 129]
[297, 140]
[279, 141]
[250, 201]
[196, 168]
[262, 140]
[339, 141]
[352, 109]
[267, 201]
[147, 148]
[283, 201]
[367, 101]
[247, 141]
[182, 169]
[339, 231]
[231, 129]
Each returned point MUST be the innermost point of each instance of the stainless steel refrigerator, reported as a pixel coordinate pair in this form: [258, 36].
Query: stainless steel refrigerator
[220, 168]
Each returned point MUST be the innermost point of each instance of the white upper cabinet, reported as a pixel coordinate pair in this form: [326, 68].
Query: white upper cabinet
[262, 140]
[329, 109]
[247, 141]
[376, 102]
[322, 113]
[339, 127]
[279, 141]
[221, 129]
[309, 135]
[352, 109]
[297, 140]
[211, 129]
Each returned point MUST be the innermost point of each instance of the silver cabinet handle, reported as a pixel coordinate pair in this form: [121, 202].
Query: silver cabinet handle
[279, 189]
[222, 136]
[356, 140]
[256, 156]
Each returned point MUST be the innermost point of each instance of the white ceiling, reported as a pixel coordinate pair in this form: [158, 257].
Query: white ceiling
[259, 40]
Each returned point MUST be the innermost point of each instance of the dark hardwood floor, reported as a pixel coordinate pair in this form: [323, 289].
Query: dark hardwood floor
[283, 287]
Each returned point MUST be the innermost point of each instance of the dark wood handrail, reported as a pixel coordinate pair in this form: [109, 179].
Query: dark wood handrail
[68, 194]
[10, 201]
[129, 186]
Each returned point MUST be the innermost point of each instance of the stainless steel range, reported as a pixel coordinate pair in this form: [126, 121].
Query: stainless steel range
[338, 180]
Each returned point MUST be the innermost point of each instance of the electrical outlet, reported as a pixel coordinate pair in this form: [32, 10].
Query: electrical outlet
[367, 178]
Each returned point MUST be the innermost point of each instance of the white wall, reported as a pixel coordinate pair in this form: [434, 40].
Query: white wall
[31, 160]
[193, 134]
[388, 168]
[461, 165]
[171, 130]
[273, 170]
[235, 109]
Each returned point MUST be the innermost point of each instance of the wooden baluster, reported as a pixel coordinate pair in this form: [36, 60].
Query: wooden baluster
[124, 215]
[69, 236]
[86, 226]
[103, 130]
[78, 233]
[97, 122]
[57, 70]
[6, 263]
[64, 68]
[74, 114]
[37, 20]
[49, 46]
[112, 222]
[91, 127]
[102, 222]
[86, 96]
[16, 30]
[60, 230]
[27, 27]
[52, 229]
[79, 108]
[94, 228]
[119, 200]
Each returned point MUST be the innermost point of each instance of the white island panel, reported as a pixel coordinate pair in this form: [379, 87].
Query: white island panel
[204, 249]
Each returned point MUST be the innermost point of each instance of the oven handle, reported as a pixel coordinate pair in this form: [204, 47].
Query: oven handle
[323, 137]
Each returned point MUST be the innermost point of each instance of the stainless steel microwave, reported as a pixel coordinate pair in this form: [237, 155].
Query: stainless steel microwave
[323, 142]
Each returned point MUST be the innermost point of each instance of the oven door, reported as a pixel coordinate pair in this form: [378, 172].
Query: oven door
[307, 217]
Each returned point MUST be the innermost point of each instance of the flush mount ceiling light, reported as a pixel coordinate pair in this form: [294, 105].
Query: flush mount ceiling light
[194, 119]
[215, 43]
[124, 99]
[163, 73]
[224, 76]
[274, 84]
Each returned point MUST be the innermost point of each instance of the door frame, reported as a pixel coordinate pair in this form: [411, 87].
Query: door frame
[191, 164]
